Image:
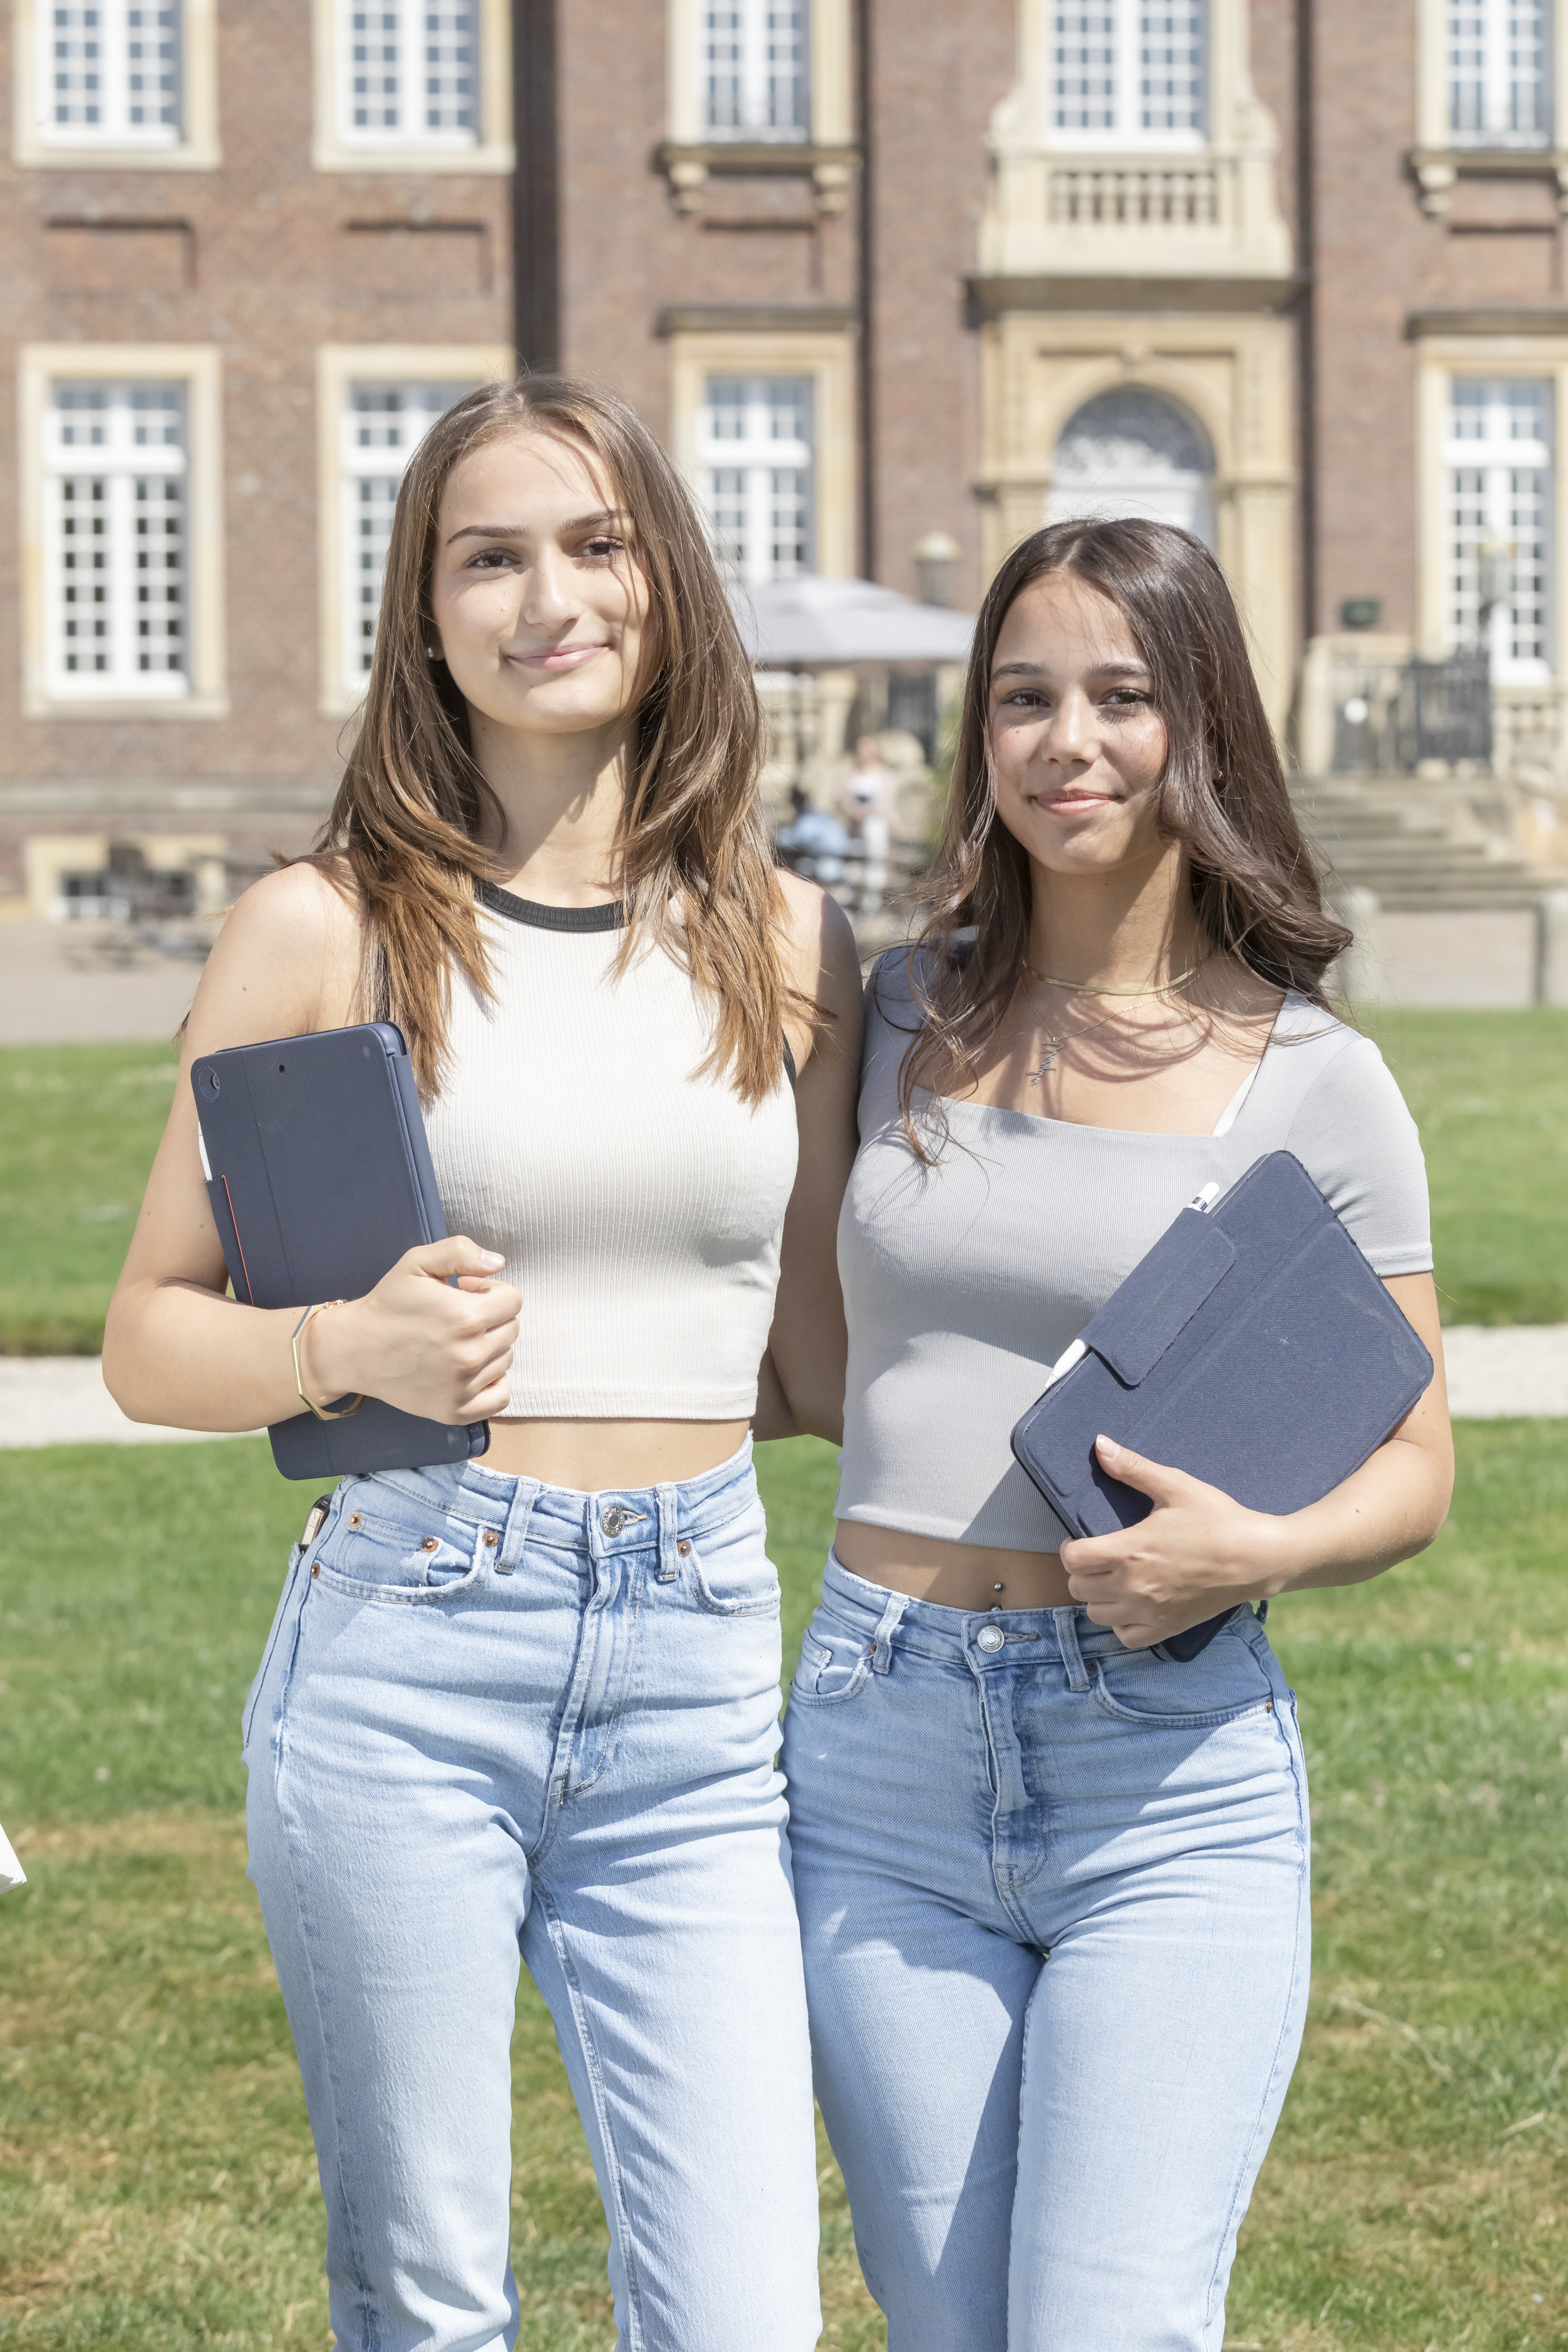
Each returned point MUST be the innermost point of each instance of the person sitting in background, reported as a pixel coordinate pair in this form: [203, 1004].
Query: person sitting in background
[813, 842]
[867, 798]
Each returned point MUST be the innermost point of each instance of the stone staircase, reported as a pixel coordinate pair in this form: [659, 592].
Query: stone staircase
[1421, 846]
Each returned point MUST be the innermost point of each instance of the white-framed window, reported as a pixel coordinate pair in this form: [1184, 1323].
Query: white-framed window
[413, 86]
[1128, 72]
[408, 73]
[375, 404]
[110, 73]
[381, 426]
[116, 541]
[120, 84]
[755, 71]
[1499, 73]
[1498, 461]
[756, 451]
[121, 529]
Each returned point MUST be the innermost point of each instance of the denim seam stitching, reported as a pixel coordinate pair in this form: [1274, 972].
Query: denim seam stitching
[612, 1729]
[366, 2294]
[638, 2333]
[1235, 2210]
[248, 1718]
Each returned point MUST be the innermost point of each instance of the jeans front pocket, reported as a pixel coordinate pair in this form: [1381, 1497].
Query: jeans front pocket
[1223, 1683]
[731, 1573]
[835, 1666]
[379, 1555]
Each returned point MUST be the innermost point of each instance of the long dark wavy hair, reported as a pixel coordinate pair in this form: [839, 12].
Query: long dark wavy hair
[1222, 794]
[694, 859]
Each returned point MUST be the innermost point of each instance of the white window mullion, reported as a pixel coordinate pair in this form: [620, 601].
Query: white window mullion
[408, 73]
[755, 443]
[1128, 73]
[381, 426]
[116, 538]
[754, 68]
[1500, 492]
[1499, 73]
[110, 73]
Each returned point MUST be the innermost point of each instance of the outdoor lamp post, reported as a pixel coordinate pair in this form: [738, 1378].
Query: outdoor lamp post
[935, 556]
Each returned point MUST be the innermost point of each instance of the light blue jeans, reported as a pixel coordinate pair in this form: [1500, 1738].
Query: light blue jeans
[1046, 2154]
[499, 1719]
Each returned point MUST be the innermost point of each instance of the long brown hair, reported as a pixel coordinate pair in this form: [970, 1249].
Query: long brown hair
[1222, 794]
[693, 861]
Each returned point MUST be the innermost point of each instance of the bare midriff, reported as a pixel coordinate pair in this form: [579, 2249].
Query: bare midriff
[589, 1455]
[952, 1575]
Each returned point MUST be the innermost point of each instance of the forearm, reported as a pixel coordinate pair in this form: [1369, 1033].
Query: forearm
[178, 1353]
[1388, 1511]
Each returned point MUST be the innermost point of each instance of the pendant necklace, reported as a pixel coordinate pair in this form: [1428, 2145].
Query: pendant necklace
[1055, 1046]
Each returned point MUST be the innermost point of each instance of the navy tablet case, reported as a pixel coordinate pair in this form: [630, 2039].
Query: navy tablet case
[1253, 1347]
[319, 1178]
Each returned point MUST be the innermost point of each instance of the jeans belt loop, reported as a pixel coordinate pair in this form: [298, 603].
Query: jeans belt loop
[514, 1535]
[887, 1626]
[1065, 1624]
[1261, 1610]
[668, 1507]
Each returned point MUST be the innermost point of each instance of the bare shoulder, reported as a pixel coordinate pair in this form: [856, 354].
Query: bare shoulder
[817, 939]
[822, 964]
[287, 959]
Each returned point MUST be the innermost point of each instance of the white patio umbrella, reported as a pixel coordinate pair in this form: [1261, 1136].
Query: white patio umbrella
[810, 624]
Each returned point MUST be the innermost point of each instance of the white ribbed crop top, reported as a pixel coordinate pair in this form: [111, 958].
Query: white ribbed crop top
[638, 1206]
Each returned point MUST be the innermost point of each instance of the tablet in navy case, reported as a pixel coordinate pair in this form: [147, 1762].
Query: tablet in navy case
[319, 1178]
[1253, 1347]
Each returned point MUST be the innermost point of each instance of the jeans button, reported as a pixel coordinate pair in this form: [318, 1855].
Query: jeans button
[990, 1639]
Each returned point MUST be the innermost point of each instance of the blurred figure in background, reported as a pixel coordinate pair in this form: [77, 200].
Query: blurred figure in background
[866, 800]
[813, 842]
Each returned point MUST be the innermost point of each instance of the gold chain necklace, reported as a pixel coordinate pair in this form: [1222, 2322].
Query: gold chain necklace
[1055, 1046]
[1088, 988]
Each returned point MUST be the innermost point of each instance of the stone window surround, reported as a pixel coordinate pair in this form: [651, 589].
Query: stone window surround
[493, 152]
[199, 367]
[1436, 162]
[1442, 356]
[339, 365]
[196, 149]
[829, 158]
[827, 356]
[1233, 371]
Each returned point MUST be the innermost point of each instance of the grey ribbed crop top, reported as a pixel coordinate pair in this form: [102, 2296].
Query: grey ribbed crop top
[637, 1205]
[965, 1282]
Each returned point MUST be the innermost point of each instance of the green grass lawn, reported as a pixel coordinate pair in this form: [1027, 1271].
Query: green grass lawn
[156, 2180]
[78, 1126]
[1491, 1093]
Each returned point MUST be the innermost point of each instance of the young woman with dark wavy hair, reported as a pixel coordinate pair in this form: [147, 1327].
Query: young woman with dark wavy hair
[529, 1706]
[1053, 1883]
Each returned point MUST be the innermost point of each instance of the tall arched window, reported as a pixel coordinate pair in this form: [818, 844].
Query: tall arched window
[1132, 452]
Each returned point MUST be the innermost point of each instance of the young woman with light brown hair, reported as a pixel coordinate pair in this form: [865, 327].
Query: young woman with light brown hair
[530, 1705]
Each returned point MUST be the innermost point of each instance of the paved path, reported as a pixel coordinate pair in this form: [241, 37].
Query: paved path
[61, 1400]
[55, 989]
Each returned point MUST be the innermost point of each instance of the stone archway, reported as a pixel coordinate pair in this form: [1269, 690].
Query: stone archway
[1130, 451]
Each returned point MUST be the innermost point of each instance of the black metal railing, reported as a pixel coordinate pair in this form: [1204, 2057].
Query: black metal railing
[1395, 717]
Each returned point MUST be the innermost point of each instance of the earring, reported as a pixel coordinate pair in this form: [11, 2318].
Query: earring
[431, 655]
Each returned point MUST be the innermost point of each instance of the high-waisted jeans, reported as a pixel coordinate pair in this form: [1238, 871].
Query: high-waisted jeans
[1054, 1900]
[496, 1718]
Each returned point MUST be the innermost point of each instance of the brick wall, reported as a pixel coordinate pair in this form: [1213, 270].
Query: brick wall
[267, 259]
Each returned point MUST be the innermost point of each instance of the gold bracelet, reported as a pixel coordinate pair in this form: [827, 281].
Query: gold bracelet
[320, 1412]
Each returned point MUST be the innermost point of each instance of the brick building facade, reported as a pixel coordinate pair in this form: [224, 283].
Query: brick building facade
[893, 283]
